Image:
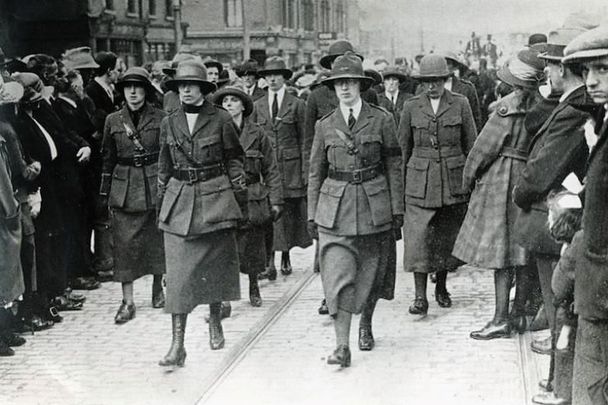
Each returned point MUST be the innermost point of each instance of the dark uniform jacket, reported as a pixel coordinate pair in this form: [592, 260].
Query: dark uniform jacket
[591, 274]
[103, 104]
[130, 159]
[435, 147]
[364, 205]
[288, 140]
[557, 149]
[262, 174]
[203, 205]
[396, 108]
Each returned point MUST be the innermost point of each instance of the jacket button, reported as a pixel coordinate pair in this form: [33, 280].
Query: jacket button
[434, 119]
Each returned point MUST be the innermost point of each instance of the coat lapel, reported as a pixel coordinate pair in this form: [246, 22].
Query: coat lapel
[444, 103]
[365, 117]
[338, 121]
[262, 110]
[426, 107]
[285, 105]
[146, 117]
[247, 137]
[181, 124]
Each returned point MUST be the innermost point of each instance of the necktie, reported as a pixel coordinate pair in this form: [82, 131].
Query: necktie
[351, 119]
[275, 106]
[392, 100]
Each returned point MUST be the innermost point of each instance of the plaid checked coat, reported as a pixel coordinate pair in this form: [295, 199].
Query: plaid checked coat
[486, 237]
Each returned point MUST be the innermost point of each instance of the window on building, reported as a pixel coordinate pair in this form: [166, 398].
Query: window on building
[309, 15]
[110, 4]
[152, 7]
[131, 6]
[289, 14]
[325, 18]
[233, 13]
[339, 17]
[169, 8]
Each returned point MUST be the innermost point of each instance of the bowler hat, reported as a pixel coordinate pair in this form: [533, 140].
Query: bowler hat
[179, 57]
[237, 91]
[432, 67]
[79, 58]
[10, 92]
[249, 67]
[348, 66]
[377, 77]
[590, 45]
[276, 65]
[537, 38]
[393, 71]
[209, 62]
[191, 71]
[522, 70]
[32, 86]
[558, 41]
[137, 75]
[336, 49]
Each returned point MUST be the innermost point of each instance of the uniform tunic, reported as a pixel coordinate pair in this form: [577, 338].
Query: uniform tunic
[292, 151]
[435, 146]
[263, 188]
[132, 195]
[486, 238]
[354, 217]
[199, 216]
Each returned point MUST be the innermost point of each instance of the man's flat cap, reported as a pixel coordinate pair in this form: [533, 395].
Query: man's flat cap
[592, 44]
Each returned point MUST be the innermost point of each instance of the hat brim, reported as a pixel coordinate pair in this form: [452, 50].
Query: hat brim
[366, 82]
[456, 61]
[244, 97]
[327, 60]
[120, 86]
[430, 78]
[169, 71]
[206, 86]
[582, 56]
[286, 73]
[248, 73]
[505, 75]
[553, 58]
[400, 76]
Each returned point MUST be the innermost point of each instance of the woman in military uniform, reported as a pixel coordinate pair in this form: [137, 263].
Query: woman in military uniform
[436, 132]
[487, 236]
[202, 186]
[355, 201]
[264, 188]
[129, 177]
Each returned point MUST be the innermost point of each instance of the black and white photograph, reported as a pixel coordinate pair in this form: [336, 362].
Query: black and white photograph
[303, 202]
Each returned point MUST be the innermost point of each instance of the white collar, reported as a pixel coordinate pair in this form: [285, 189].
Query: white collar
[69, 101]
[106, 87]
[280, 95]
[390, 96]
[567, 93]
[356, 110]
[448, 83]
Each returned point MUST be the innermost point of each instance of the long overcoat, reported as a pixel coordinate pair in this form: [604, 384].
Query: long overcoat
[486, 238]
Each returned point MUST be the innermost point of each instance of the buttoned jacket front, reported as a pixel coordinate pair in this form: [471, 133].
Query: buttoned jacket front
[203, 206]
[435, 147]
[291, 146]
[355, 208]
[131, 188]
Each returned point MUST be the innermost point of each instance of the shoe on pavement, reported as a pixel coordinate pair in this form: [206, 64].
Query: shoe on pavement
[545, 385]
[270, 274]
[85, 283]
[493, 330]
[340, 356]
[420, 306]
[366, 339]
[125, 313]
[5, 350]
[541, 346]
[323, 310]
[443, 298]
[549, 398]
[12, 340]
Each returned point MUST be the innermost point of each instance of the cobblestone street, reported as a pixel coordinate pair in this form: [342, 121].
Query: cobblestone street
[275, 357]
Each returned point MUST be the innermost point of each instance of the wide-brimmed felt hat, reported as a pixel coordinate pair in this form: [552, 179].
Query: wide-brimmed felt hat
[348, 66]
[223, 79]
[179, 57]
[374, 74]
[275, 65]
[432, 67]
[137, 75]
[237, 91]
[209, 62]
[590, 45]
[534, 66]
[336, 49]
[79, 58]
[10, 92]
[32, 87]
[558, 41]
[249, 67]
[191, 71]
[393, 71]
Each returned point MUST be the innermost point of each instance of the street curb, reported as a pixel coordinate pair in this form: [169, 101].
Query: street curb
[528, 368]
[238, 352]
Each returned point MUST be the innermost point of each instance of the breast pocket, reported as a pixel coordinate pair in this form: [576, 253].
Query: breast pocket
[330, 195]
[119, 188]
[371, 146]
[455, 168]
[379, 200]
[416, 177]
[452, 125]
[209, 150]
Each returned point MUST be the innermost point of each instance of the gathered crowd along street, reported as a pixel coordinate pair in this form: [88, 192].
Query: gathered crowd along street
[159, 174]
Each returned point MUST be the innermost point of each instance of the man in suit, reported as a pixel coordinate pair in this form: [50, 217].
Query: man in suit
[101, 91]
[392, 98]
[282, 117]
[557, 149]
[248, 72]
[590, 382]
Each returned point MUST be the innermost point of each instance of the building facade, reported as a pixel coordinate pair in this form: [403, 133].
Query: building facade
[298, 30]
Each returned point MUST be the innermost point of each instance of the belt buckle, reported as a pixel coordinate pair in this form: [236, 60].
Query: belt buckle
[138, 160]
[192, 176]
[357, 177]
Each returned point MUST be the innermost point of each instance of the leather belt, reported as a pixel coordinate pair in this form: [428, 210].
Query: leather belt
[513, 153]
[356, 176]
[195, 174]
[145, 159]
[436, 153]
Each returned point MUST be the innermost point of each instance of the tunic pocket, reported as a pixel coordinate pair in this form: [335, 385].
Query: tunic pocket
[218, 203]
[172, 193]
[455, 168]
[379, 200]
[416, 177]
[330, 195]
[292, 168]
[119, 188]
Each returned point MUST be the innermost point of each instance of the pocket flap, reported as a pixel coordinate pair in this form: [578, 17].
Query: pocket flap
[291, 153]
[121, 172]
[418, 164]
[369, 138]
[452, 120]
[374, 187]
[254, 154]
[203, 142]
[333, 188]
[419, 123]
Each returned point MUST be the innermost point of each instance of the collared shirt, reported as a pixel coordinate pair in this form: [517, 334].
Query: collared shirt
[280, 94]
[49, 140]
[107, 88]
[69, 101]
[356, 110]
[567, 93]
[250, 90]
[435, 104]
[392, 97]
[448, 83]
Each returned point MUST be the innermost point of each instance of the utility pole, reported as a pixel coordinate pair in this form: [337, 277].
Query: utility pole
[177, 21]
[246, 35]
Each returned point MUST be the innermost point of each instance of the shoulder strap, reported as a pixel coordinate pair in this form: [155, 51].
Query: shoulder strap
[352, 149]
[179, 146]
[132, 134]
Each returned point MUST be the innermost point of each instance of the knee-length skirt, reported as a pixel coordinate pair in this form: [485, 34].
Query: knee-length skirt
[201, 269]
[291, 229]
[138, 245]
[353, 267]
